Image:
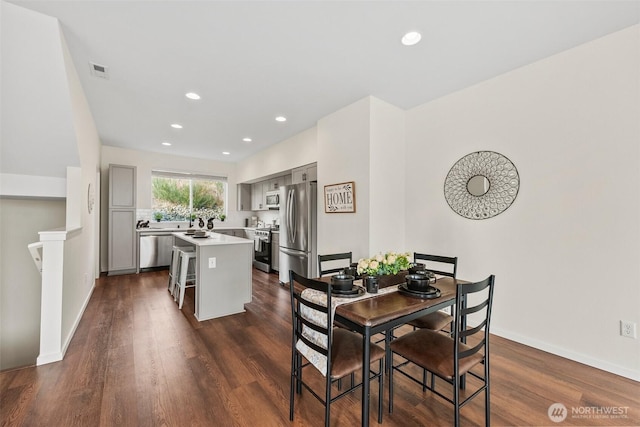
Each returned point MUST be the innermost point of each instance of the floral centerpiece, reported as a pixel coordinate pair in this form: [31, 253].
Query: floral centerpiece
[390, 267]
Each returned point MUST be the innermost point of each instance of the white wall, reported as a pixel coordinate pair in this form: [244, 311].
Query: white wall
[68, 146]
[363, 142]
[566, 253]
[299, 150]
[387, 194]
[36, 114]
[20, 221]
[343, 155]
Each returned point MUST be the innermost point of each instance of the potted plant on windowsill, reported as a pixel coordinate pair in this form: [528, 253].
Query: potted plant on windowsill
[391, 268]
[222, 217]
[157, 216]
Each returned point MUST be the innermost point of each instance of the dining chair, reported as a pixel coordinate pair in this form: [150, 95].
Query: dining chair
[334, 352]
[331, 259]
[438, 320]
[449, 357]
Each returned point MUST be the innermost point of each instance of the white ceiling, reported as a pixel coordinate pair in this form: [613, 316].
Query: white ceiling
[252, 61]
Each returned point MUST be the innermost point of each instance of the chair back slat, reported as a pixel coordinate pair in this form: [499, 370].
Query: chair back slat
[299, 321]
[483, 289]
[438, 259]
[331, 260]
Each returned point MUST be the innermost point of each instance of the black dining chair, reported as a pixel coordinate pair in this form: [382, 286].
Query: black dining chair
[337, 351]
[331, 263]
[438, 320]
[449, 357]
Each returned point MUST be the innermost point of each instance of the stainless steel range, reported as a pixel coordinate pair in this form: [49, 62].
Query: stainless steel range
[262, 249]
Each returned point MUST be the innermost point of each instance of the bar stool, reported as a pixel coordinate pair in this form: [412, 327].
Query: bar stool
[187, 273]
[174, 266]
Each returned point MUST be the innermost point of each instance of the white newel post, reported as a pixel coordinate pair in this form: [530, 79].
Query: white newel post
[51, 303]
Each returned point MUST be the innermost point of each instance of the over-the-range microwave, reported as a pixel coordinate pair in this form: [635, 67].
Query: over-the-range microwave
[272, 199]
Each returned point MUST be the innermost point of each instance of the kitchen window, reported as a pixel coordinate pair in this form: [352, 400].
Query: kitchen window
[184, 196]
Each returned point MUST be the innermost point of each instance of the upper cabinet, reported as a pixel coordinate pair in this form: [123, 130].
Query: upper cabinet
[122, 186]
[252, 197]
[304, 174]
[244, 197]
[258, 191]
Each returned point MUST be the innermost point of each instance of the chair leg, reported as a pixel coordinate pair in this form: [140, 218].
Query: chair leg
[294, 368]
[456, 402]
[327, 402]
[424, 380]
[381, 390]
[390, 365]
[184, 268]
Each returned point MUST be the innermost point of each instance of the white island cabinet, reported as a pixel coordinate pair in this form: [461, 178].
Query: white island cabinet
[223, 273]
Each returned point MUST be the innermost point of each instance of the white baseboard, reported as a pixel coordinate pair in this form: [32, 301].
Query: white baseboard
[568, 354]
[67, 341]
[43, 359]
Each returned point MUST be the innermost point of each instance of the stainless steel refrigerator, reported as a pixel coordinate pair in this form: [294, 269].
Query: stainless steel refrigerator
[298, 230]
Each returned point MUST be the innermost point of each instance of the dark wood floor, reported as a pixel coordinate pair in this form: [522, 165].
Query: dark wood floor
[136, 360]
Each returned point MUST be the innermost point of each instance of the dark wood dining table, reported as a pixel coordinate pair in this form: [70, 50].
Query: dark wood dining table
[383, 313]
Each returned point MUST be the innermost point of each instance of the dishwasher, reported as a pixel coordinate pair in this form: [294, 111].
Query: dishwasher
[155, 249]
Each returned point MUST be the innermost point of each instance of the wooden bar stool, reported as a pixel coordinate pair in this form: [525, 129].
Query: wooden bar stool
[187, 273]
[174, 266]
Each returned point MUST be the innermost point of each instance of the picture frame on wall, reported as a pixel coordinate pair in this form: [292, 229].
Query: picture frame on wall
[340, 198]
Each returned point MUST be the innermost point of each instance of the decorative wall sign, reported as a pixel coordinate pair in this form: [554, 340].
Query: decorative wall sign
[481, 185]
[340, 198]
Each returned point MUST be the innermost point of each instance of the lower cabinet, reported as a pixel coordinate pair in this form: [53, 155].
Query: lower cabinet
[122, 241]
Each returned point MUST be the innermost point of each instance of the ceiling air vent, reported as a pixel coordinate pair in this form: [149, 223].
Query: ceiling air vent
[98, 70]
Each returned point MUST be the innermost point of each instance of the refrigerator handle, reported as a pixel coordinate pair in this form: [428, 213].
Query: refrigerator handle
[294, 215]
[294, 253]
[289, 216]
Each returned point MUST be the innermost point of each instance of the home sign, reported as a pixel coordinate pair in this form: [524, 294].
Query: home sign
[340, 198]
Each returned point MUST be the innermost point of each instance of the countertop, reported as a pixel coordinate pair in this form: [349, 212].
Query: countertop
[175, 229]
[213, 239]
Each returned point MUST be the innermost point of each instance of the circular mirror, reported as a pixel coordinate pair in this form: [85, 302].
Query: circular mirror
[481, 185]
[478, 185]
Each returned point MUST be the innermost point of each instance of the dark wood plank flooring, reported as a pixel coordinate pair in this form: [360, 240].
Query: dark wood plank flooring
[136, 360]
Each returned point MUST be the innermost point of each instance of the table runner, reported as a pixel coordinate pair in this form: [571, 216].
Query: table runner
[319, 360]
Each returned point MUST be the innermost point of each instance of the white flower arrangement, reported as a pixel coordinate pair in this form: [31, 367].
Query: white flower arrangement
[389, 263]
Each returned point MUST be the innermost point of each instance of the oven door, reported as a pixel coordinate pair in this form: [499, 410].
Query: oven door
[262, 253]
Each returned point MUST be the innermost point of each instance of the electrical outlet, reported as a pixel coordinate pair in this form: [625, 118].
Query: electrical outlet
[628, 329]
[212, 262]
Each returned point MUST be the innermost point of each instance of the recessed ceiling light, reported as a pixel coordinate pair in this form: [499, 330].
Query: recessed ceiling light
[226, 153]
[411, 38]
[176, 126]
[281, 119]
[247, 139]
[192, 95]
[166, 143]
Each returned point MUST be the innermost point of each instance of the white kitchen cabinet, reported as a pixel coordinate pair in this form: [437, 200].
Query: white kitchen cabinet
[276, 183]
[257, 197]
[244, 197]
[258, 194]
[304, 174]
[122, 220]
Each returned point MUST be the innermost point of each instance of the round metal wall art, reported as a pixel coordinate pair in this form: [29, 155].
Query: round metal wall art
[497, 191]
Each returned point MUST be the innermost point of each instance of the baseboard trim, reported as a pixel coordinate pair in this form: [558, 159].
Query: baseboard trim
[568, 354]
[72, 332]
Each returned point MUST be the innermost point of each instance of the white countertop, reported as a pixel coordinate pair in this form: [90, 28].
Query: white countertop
[175, 229]
[214, 239]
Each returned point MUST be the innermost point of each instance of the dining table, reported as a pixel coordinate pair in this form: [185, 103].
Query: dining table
[382, 314]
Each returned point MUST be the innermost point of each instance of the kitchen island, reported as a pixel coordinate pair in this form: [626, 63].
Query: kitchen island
[223, 273]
